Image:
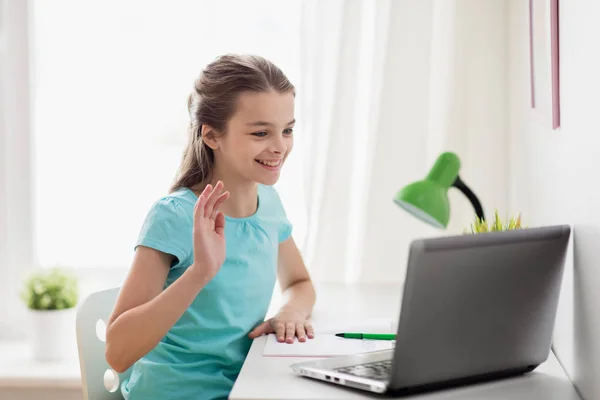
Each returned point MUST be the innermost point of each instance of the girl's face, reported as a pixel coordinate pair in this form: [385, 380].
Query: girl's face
[259, 137]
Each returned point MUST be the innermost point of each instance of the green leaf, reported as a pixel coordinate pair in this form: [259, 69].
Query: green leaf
[50, 289]
[481, 226]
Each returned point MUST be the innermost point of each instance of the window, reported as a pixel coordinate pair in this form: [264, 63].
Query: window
[110, 83]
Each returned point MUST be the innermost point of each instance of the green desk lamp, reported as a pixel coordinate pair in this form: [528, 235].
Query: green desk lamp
[428, 199]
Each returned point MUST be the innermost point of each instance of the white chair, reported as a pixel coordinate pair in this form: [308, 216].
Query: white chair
[100, 381]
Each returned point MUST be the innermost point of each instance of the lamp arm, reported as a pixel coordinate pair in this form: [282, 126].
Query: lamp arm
[460, 185]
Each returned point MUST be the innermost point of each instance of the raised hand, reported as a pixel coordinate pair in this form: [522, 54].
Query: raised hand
[209, 232]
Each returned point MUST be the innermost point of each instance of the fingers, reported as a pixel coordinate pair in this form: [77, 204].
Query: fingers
[300, 332]
[201, 203]
[220, 223]
[199, 207]
[310, 332]
[290, 332]
[285, 332]
[212, 198]
[262, 329]
[206, 192]
[220, 200]
[279, 328]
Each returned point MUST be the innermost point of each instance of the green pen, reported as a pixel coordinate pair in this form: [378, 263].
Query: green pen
[374, 336]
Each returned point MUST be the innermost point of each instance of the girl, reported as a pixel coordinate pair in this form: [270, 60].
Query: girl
[190, 305]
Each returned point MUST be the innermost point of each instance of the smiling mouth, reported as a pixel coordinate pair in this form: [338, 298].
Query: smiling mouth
[275, 163]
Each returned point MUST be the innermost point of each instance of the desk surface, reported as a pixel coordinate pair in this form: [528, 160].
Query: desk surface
[271, 378]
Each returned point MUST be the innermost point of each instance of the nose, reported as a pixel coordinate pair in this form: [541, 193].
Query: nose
[278, 144]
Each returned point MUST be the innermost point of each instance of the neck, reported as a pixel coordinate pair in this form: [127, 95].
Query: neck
[243, 195]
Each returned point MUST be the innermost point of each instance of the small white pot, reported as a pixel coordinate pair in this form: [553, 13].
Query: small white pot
[53, 334]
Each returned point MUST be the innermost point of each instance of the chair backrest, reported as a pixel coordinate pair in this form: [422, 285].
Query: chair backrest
[92, 316]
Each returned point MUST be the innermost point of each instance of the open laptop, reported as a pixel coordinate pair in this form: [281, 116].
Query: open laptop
[474, 308]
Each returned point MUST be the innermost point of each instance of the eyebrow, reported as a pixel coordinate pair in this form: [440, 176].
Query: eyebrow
[263, 123]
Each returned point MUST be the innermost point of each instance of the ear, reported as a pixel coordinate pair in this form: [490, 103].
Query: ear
[209, 137]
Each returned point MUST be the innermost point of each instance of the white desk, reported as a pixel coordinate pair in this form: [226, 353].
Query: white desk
[268, 378]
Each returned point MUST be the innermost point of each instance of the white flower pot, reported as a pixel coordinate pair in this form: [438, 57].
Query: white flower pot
[53, 334]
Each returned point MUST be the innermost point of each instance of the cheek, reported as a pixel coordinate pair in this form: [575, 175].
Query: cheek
[238, 152]
[247, 153]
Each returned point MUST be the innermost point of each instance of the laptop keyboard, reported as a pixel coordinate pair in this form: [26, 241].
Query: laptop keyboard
[380, 370]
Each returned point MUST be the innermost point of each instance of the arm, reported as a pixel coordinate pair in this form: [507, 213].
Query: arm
[144, 312]
[294, 279]
[300, 296]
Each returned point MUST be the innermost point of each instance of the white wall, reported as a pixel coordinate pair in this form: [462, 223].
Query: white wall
[554, 175]
[444, 90]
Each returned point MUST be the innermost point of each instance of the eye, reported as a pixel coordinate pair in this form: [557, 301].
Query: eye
[260, 134]
[288, 131]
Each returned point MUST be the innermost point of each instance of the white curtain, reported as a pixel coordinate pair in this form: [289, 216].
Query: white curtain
[16, 232]
[386, 87]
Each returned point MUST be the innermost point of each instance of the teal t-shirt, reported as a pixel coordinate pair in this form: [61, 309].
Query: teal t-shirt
[202, 354]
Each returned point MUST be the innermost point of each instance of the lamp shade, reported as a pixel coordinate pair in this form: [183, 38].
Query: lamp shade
[428, 199]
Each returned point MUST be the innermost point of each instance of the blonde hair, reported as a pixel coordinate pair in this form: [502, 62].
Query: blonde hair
[213, 102]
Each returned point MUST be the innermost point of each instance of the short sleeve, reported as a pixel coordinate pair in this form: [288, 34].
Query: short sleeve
[285, 230]
[167, 228]
[283, 224]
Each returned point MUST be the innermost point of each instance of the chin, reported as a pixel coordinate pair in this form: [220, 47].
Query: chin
[268, 181]
[264, 176]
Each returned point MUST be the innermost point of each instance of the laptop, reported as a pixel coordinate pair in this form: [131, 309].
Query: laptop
[474, 308]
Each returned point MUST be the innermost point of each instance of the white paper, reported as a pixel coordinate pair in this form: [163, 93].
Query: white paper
[326, 344]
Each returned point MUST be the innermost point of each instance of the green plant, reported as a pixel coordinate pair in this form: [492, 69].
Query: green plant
[480, 226]
[50, 289]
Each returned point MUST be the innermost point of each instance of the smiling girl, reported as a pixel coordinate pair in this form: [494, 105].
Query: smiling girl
[207, 259]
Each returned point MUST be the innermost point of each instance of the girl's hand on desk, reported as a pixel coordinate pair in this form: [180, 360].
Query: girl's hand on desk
[287, 324]
[209, 236]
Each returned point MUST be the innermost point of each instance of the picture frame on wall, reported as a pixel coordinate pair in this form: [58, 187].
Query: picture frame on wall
[544, 61]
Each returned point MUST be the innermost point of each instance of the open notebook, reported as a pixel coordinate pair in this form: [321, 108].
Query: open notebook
[326, 344]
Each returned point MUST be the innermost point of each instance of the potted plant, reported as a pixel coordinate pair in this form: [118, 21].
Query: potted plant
[481, 226]
[51, 296]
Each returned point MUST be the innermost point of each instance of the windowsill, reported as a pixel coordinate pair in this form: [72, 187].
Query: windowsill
[18, 369]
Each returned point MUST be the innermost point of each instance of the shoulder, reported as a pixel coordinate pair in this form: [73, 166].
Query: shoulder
[183, 197]
[274, 212]
[269, 198]
[269, 193]
[176, 205]
[168, 226]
